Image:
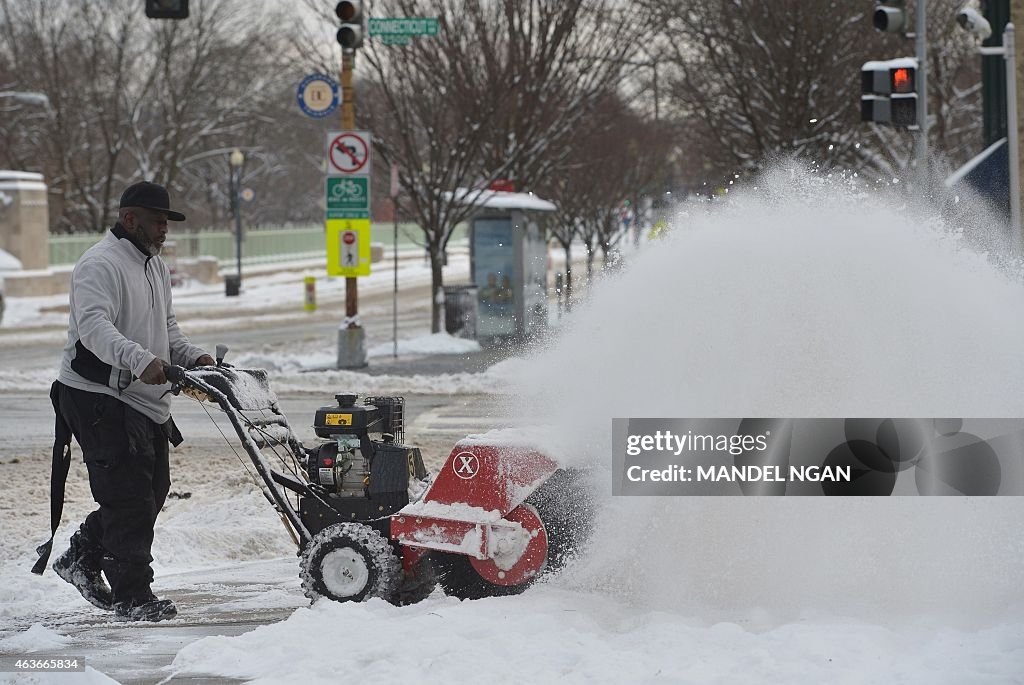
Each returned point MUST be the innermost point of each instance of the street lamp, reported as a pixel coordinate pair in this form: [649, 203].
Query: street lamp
[233, 285]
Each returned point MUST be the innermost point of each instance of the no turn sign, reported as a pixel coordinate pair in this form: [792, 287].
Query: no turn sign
[348, 153]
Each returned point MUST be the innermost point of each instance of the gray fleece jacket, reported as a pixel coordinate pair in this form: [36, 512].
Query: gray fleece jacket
[121, 320]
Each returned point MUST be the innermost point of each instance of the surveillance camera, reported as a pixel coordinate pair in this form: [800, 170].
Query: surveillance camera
[971, 19]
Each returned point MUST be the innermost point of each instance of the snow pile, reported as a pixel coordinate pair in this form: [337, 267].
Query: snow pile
[218, 523]
[435, 343]
[281, 364]
[457, 511]
[30, 380]
[552, 441]
[38, 638]
[497, 379]
[550, 634]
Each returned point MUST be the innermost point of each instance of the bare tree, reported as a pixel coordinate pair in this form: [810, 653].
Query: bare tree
[495, 94]
[614, 156]
[759, 80]
[133, 98]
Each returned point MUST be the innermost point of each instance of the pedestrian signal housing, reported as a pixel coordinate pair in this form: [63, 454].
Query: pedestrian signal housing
[889, 92]
[167, 9]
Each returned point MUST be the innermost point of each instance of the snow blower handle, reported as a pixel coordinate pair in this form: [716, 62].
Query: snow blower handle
[176, 376]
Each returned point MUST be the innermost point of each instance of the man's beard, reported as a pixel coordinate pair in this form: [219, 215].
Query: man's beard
[149, 247]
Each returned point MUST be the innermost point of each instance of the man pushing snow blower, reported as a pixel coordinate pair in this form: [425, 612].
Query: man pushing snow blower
[112, 395]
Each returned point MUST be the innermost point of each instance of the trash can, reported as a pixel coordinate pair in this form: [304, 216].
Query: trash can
[232, 285]
[460, 309]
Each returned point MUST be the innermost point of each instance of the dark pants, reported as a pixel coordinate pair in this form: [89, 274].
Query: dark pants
[127, 457]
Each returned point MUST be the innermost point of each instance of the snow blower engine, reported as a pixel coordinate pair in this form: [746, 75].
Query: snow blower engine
[362, 479]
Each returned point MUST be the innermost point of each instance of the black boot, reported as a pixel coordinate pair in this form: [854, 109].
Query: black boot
[80, 566]
[146, 608]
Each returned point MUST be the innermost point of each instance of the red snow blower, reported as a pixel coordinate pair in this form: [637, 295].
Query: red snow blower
[368, 519]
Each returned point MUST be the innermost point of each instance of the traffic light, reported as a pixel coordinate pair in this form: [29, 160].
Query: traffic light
[350, 34]
[890, 15]
[167, 9]
[903, 100]
[889, 92]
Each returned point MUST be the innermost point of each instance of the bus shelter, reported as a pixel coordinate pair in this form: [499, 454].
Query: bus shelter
[508, 262]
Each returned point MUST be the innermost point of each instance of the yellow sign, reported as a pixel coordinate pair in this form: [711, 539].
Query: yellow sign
[348, 247]
[310, 291]
[338, 419]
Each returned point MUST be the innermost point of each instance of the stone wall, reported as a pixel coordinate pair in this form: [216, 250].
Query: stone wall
[24, 218]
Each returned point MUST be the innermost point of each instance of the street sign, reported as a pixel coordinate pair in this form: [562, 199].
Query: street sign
[403, 26]
[348, 198]
[348, 247]
[395, 39]
[318, 95]
[348, 153]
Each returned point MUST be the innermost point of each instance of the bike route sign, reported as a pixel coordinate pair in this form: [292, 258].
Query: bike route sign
[348, 198]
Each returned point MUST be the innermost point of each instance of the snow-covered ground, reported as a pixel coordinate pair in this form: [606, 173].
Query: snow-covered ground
[807, 298]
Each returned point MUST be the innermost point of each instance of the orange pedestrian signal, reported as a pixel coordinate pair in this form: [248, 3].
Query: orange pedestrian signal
[888, 92]
[902, 80]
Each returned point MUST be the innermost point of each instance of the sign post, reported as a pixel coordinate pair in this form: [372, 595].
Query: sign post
[394, 302]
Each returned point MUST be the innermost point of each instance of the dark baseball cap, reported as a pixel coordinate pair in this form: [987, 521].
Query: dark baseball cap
[150, 196]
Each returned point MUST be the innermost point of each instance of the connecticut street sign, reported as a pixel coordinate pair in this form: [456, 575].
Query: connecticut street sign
[403, 26]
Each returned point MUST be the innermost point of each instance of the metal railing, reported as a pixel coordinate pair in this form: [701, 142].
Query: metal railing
[260, 245]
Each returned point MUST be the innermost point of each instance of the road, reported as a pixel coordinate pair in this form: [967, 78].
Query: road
[276, 320]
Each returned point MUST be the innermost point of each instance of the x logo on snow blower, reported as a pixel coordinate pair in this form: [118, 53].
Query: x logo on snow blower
[466, 465]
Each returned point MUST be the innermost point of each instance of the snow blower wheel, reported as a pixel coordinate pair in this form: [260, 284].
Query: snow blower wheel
[349, 562]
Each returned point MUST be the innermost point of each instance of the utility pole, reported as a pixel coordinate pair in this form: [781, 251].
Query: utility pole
[1009, 54]
[348, 123]
[1017, 10]
[889, 89]
[1012, 124]
[921, 36]
[993, 74]
[351, 336]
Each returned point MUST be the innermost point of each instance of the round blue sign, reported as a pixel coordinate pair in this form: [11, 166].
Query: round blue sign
[318, 95]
